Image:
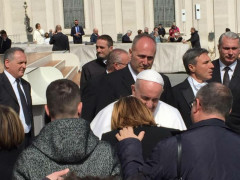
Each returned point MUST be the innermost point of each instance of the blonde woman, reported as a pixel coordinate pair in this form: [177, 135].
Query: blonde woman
[130, 111]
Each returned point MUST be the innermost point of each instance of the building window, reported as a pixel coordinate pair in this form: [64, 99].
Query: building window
[164, 12]
[73, 9]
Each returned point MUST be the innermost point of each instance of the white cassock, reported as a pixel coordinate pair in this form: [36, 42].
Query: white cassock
[164, 115]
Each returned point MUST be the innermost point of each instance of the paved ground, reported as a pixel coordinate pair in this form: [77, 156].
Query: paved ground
[176, 78]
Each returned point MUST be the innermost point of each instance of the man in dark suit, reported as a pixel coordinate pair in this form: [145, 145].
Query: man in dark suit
[126, 37]
[227, 71]
[15, 91]
[118, 83]
[199, 68]
[94, 68]
[209, 149]
[77, 33]
[59, 40]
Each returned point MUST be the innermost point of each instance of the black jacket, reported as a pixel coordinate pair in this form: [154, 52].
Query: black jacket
[152, 136]
[60, 42]
[5, 45]
[195, 40]
[183, 95]
[126, 39]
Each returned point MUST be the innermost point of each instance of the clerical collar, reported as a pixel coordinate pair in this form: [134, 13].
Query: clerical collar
[195, 85]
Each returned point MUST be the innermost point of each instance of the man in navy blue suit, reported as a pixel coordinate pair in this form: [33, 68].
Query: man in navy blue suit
[210, 149]
[77, 33]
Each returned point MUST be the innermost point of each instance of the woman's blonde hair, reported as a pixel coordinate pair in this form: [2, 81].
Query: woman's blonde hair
[11, 128]
[130, 111]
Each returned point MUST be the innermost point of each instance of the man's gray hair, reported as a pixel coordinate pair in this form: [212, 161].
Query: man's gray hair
[9, 54]
[115, 57]
[129, 31]
[230, 35]
[190, 57]
[215, 98]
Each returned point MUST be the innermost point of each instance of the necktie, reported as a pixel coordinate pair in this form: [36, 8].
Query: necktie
[226, 79]
[24, 104]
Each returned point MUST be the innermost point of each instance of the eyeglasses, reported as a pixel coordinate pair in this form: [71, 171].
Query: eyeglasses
[191, 103]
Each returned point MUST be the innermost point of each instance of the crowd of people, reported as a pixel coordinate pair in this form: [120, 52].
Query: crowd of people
[125, 121]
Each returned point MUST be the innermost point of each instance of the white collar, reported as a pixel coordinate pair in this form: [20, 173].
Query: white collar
[195, 85]
[10, 77]
[231, 66]
[134, 75]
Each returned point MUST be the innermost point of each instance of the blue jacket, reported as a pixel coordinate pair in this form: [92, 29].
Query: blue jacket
[210, 150]
[93, 38]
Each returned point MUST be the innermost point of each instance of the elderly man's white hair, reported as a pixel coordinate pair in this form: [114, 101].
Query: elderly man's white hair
[151, 75]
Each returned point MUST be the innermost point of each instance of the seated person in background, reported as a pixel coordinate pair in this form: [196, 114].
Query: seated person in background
[172, 31]
[47, 38]
[139, 31]
[5, 42]
[11, 136]
[50, 33]
[156, 37]
[176, 38]
[155, 29]
[146, 30]
[148, 88]
[126, 37]
[59, 40]
[67, 141]
[94, 36]
[227, 30]
[161, 30]
[130, 111]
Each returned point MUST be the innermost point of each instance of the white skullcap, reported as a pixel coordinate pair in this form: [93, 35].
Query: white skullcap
[151, 75]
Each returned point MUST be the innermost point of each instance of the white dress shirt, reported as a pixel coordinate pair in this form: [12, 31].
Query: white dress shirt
[230, 72]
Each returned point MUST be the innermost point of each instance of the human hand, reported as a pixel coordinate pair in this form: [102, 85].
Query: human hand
[127, 132]
[57, 175]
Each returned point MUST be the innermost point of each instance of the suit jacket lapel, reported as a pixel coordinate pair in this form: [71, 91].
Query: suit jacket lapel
[6, 84]
[216, 77]
[127, 79]
[236, 76]
[188, 93]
